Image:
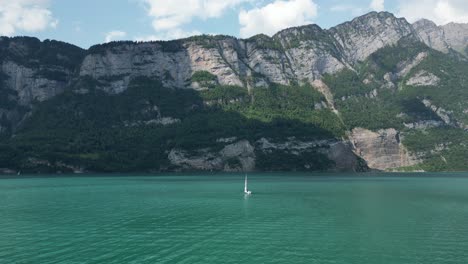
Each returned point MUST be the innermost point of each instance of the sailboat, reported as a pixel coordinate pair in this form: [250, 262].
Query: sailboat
[246, 190]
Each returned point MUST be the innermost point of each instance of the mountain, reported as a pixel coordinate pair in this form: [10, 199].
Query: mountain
[374, 93]
[450, 37]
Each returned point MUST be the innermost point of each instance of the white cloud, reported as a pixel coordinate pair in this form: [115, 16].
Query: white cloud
[439, 11]
[169, 16]
[25, 15]
[276, 16]
[377, 5]
[354, 10]
[115, 35]
[54, 23]
[77, 26]
[169, 35]
[175, 13]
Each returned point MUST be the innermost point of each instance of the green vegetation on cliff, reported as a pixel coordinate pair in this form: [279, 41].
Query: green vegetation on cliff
[137, 129]
[203, 76]
[123, 132]
[364, 99]
[33, 53]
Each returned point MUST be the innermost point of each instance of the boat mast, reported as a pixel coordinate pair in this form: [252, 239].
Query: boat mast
[245, 184]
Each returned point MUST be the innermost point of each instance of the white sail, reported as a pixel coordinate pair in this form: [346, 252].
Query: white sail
[245, 184]
[246, 190]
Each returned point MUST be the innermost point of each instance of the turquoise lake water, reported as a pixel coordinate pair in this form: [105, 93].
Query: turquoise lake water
[289, 218]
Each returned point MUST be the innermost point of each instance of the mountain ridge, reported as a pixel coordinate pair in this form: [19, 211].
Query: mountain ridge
[357, 95]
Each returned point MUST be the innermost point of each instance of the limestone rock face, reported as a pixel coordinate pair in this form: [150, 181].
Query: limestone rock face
[441, 112]
[403, 68]
[366, 34]
[340, 152]
[311, 51]
[453, 36]
[203, 160]
[33, 71]
[29, 84]
[114, 67]
[382, 150]
[424, 124]
[456, 35]
[423, 78]
[243, 152]
[301, 54]
[432, 35]
[238, 156]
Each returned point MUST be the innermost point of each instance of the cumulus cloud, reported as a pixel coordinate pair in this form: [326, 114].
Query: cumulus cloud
[25, 15]
[115, 35]
[169, 16]
[175, 13]
[276, 16]
[377, 5]
[169, 35]
[354, 10]
[439, 11]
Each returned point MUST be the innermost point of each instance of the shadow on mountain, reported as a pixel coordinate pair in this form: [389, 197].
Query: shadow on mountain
[135, 130]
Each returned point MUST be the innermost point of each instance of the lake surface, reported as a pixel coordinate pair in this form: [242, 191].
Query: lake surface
[289, 218]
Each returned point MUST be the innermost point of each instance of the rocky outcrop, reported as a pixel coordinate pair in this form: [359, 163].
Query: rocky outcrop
[424, 124]
[57, 166]
[340, 152]
[30, 85]
[403, 68]
[423, 78]
[382, 150]
[325, 90]
[366, 34]
[432, 35]
[242, 152]
[293, 55]
[441, 112]
[311, 51]
[33, 71]
[238, 156]
[452, 36]
[456, 34]
[164, 121]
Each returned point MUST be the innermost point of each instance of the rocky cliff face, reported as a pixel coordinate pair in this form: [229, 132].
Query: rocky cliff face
[240, 155]
[453, 36]
[30, 85]
[366, 34]
[456, 35]
[293, 55]
[33, 71]
[382, 149]
[432, 35]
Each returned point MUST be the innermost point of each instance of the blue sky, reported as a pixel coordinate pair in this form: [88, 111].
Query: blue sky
[88, 22]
